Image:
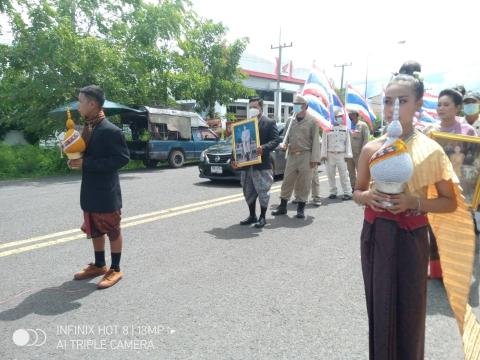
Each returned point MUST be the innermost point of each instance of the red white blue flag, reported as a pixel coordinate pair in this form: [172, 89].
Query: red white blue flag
[355, 101]
[319, 94]
[430, 103]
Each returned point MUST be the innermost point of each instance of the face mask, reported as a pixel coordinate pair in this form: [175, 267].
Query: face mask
[470, 109]
[253, 112]
[297, 108]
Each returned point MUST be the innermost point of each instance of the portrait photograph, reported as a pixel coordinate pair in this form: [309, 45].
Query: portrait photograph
[464, 154]
[245, 141]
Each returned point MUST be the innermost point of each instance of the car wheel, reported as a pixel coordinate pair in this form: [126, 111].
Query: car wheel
[150, 164]
[176, 159]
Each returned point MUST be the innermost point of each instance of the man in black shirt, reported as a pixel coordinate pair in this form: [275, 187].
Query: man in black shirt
[100, 194]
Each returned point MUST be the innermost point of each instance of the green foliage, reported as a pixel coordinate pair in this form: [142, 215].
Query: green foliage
[26, 161]
[214, 65]
[30, 161]
[138, 52]
[4, 5]
[231, 117]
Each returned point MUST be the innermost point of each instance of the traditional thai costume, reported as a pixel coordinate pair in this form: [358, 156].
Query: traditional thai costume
[395, 253]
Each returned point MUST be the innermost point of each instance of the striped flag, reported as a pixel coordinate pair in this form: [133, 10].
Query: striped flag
[355, 101]
[319, 94]
[430, 103]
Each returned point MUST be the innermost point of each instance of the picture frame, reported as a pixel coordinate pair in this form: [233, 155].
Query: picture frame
[245, 141]
[464, 153]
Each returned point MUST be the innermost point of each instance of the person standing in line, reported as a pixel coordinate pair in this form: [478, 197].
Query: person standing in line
[394, 240]
[359, 135]
[315, 188]
[471, 109]
[257, 179]
[100, 194]
[303, 144]
[449, 105]
[336, 149]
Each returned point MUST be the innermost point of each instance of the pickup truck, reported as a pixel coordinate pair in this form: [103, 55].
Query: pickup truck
[159, 134]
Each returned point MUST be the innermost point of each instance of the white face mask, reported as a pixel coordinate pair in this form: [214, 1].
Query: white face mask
[297, 108]
[470, 109]
[253, 112]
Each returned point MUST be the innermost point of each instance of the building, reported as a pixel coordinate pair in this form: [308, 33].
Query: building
[262, 77]
[376, 103]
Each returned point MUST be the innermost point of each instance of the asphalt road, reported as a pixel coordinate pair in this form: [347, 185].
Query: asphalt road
[197, 285]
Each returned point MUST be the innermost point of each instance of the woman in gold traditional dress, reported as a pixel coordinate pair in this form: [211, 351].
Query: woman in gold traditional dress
[394, 241]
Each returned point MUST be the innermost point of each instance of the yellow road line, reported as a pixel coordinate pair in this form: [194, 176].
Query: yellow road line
[124, 221]
[127, 222]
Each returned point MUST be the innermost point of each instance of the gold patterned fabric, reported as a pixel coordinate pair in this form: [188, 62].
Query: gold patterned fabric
[454, 233]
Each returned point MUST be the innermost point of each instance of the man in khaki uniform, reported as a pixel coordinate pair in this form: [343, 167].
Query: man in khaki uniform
[303, 145]
[316, 199]
[359, 134]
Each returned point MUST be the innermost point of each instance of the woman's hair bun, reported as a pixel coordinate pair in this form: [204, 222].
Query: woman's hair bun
[410, 68]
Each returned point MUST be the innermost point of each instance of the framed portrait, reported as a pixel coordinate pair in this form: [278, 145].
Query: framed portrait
[245, 140]
[464, 153]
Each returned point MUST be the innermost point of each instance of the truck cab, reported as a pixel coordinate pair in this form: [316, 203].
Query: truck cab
[158, 134]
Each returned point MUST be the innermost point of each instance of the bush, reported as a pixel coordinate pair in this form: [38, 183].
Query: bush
[29, 161]
[26, 161]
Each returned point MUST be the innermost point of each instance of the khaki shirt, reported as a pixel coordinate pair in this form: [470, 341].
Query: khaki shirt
[304, 136]
[336, 140]
[359, 137]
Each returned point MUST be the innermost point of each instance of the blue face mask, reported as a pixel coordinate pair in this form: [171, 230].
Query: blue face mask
[297, 108]
[470, 109]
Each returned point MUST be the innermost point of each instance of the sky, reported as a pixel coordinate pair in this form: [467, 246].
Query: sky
[374, 34]
[380, 35]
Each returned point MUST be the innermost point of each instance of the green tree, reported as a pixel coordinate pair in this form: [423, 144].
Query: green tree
[138, 52]
[4, 5]
[213, 63]
[59, 48]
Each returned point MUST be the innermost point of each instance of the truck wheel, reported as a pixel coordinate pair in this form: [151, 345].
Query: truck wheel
[150, 164]
[176, 159]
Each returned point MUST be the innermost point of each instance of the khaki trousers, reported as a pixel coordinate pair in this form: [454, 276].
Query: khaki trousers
[298, 176]
[352, 166]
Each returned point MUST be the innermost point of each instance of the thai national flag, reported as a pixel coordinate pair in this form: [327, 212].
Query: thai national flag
[430, 103]
[427, 117]
[319, 94]
[338, 104]
[355, 101]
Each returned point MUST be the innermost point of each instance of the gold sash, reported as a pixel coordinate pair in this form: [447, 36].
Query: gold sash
[454, 233]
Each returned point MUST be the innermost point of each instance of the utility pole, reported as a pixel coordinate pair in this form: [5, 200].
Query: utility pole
[343, 70]
[278, 91]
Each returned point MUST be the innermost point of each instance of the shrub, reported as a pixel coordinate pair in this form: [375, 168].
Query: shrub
[29, 161]
[25, 161]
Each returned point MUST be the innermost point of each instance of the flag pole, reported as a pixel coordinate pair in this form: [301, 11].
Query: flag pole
[287, 132]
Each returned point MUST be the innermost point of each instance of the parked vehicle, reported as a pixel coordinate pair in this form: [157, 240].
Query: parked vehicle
[215, 161]
[166, 134]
